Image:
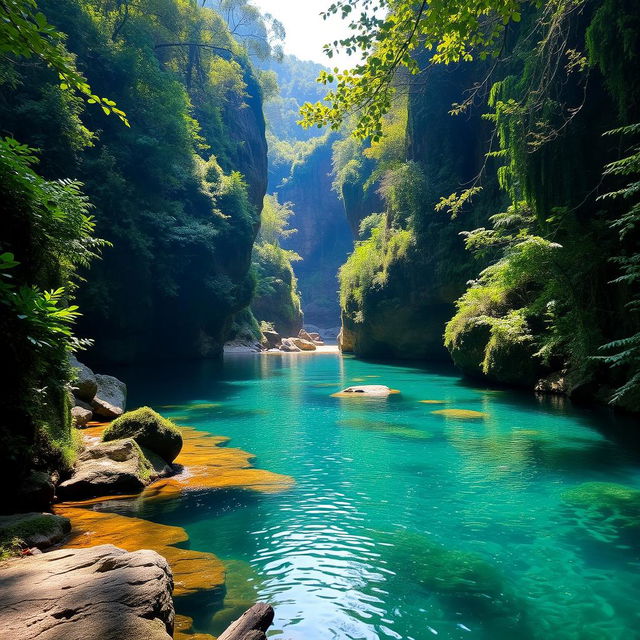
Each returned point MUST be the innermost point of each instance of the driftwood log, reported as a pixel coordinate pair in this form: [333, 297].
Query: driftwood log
[251, 625]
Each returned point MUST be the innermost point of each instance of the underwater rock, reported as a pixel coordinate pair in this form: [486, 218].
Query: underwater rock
[40, 530]
[374, 390]
[102, 592]
[110, 399]
[150, 430]
[108, 468]
[604, 510]
[85, 384]
[463, 414]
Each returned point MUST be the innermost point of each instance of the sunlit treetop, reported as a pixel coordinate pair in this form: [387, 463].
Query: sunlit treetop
[26, 33]
[389, 33]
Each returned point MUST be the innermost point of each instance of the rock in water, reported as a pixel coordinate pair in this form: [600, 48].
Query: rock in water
[150, 430]
[40, 530]
[99, 593]
[251, 625]
[375, 390]
[110, 400]
[108, 468]
[85, 385]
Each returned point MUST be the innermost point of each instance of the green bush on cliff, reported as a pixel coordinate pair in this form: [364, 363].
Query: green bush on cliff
[149, 429]
[276, 300]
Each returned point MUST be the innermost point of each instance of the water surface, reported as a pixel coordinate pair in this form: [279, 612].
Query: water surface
[404, 523]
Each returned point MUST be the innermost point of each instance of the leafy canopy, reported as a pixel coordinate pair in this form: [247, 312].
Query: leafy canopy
[389, 33]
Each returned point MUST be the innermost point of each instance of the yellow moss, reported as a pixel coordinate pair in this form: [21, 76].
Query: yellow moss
[462, 414]
[192, 570]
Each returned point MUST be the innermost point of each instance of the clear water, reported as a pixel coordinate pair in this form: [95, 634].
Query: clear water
[378, 481]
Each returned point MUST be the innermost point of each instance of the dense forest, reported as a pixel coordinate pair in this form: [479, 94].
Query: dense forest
[175, 184]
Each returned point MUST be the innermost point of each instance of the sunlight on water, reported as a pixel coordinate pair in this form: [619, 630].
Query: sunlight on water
[445, 511]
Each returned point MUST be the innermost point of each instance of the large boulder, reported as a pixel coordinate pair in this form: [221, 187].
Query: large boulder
[40, 530]
[289, 346]
[272, 337]
[110, 400]
[108, 468]
[304, 345]
[84, 385]
[150, 430]
[84, 594]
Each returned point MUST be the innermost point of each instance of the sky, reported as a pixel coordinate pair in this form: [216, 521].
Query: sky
[307, 32]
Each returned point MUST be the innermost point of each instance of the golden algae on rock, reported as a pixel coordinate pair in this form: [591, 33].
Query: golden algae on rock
[461, 414]
[182, 630]
[206, 465]
[432, 401]
[193, 571]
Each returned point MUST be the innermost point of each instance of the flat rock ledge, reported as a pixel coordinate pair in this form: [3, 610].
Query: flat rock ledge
[101, 593]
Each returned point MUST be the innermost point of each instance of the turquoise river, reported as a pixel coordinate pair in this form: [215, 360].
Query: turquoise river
[405, 523]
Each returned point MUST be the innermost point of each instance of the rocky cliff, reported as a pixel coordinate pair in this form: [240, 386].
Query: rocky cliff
[323, 239]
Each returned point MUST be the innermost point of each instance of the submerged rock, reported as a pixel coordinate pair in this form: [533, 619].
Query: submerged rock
[85, 384]
[108, 468]
[461, 414]
[100, 593]
[110, 400]
[605, 511]
[40, 530]
[150, 430]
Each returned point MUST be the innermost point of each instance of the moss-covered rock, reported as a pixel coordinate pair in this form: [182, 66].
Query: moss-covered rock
[109, 468]
[33, 530]
[150, 430]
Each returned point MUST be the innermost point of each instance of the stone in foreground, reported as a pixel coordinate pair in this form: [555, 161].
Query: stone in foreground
[373, 390]
[100, 593]
[108, 468]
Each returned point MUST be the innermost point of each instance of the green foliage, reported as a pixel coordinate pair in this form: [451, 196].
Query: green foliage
[47, 237]
[277, 301]
[624, 353]
[26, 33]
[389, 34]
